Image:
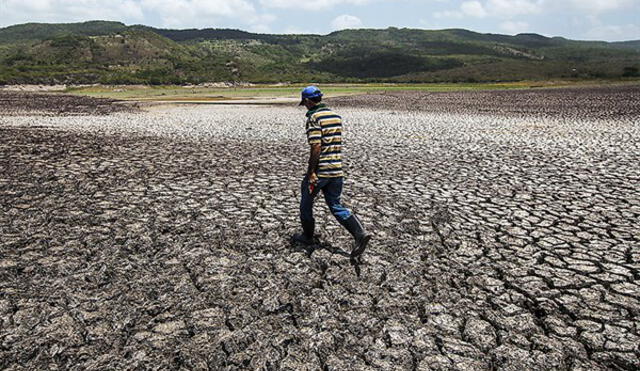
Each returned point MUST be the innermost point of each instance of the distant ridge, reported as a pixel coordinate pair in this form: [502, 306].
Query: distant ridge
[37, 31]
[112, 52]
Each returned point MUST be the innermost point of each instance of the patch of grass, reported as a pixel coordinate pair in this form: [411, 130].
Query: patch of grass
[174, 92]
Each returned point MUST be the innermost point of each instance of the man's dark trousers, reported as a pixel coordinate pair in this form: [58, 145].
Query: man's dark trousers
[332, 190]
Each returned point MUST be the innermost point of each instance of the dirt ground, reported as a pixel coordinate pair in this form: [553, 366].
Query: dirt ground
[604, 102]
[20, 103]
[160, 239]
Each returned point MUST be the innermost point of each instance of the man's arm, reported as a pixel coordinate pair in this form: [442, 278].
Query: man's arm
[314, 158]
[314, 137]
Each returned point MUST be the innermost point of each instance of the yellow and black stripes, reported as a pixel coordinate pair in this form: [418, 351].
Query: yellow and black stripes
[324, 127]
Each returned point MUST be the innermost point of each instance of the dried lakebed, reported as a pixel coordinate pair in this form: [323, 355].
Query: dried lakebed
[161, 240]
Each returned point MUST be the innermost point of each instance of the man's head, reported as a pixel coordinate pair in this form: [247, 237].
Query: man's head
[311, 96]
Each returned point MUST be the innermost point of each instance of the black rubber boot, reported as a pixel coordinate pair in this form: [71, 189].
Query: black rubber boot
[356, 229]
[306, 237]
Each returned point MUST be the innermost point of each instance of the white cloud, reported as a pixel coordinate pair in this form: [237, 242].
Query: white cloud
[176, 8]
[599, 6]
[21, 11]
[261, 23]
[615, 32]
[310, 5]
[514, 27]
[473, 9]
[504, 9]
[200, 13]
[511, 8]
[582, 16]
[345, 21]
[167, 13]
[448, 14]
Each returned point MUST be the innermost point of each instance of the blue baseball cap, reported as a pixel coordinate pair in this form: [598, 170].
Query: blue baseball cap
[310, 92]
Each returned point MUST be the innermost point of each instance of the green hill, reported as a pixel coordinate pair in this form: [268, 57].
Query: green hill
[634, 45]
[111, 52]
[40, 31]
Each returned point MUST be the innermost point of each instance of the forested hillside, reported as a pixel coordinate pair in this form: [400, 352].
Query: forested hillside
[113, 53]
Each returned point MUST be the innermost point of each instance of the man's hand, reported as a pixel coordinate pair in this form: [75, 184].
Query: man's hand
[314, 158]
[313, 180]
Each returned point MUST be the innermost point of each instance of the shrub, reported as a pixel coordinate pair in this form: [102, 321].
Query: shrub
[631, 72]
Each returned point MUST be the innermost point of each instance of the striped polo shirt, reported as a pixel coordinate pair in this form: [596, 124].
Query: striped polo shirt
[324, 127]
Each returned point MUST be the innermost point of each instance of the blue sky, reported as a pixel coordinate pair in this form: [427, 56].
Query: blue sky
[610, 20]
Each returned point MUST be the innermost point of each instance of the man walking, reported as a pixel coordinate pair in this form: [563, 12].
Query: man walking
[324, 135]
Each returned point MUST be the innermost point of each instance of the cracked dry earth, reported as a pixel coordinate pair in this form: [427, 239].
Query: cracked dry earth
[160, 240]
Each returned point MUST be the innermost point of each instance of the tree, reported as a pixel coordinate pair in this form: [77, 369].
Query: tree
[631, 72]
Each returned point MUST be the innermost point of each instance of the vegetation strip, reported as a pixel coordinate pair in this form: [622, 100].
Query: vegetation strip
[112, 53]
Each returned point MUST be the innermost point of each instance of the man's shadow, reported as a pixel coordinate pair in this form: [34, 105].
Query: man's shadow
[322, 245]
